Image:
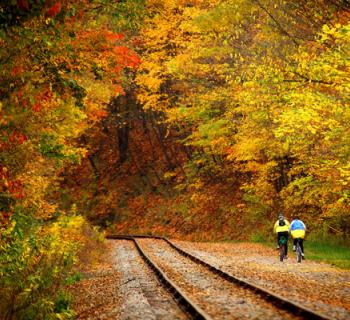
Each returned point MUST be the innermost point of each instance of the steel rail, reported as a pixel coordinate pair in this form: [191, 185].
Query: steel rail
[185, 303]
[277, 300]
[268, 295]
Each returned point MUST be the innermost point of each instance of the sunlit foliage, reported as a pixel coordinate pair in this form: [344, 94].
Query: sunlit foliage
[60, 64]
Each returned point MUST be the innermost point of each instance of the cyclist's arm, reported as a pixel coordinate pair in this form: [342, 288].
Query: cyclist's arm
[288, 224]
[303, 225]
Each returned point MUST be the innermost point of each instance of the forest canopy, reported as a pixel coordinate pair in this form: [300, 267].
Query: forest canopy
[201, 119]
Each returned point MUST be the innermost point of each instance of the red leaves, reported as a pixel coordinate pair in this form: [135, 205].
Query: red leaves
[42, 97]
[4, 218]
[17, 138]
[134, 60]
[23, 4]
[16, 189]
[36, 107]
[127, 57]
[111, 36]
[16, 70]
[14, 139]
[55, 9]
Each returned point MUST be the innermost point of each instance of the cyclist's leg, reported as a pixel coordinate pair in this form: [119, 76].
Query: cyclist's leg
[294, 243]
[301, 242]
[280, 237]
[285, 234]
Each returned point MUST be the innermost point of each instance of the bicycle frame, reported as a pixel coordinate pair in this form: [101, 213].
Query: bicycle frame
[298, 250]
[282, 243]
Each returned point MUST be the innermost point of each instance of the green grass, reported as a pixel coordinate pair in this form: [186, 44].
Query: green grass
[330, 250]
[332, 253]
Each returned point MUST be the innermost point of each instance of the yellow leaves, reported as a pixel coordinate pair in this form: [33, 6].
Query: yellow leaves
[67, 231]
[37, 180]
[247, 149]
[165, 36]
[152, 83]
[327, 30]
[199, 198]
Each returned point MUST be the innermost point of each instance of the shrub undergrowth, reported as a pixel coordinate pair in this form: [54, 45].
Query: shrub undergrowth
[36, 261]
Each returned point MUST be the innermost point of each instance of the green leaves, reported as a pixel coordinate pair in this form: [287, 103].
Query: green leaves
[50, 148]
[34, 262]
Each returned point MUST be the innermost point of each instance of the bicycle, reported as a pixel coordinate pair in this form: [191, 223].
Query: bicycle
[298, 251]
[282, 243]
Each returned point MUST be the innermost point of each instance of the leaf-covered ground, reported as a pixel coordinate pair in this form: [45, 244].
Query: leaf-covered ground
[120, 286]
[319, 286]
[96, 296]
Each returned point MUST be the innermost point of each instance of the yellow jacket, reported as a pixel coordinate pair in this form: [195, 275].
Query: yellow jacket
[277, 228]
[298, 234]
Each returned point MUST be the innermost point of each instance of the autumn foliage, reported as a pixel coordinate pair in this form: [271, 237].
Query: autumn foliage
[60, 63]
[200, 119]
[238, 110]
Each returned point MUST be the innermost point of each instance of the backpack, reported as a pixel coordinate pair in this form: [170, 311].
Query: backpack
[281, 223]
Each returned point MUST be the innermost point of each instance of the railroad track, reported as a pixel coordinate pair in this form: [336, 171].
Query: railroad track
[192, 307]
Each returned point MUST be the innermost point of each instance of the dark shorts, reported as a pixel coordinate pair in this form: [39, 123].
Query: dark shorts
[285, 235]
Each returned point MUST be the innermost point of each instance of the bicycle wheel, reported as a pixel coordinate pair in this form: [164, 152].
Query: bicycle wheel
[298, 252]
[282, 253]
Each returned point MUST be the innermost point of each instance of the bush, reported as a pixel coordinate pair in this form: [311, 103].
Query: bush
[35, 261]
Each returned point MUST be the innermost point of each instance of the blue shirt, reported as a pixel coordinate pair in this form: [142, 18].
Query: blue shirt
[297, 225]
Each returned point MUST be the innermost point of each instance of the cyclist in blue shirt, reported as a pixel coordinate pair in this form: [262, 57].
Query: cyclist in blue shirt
[297, 230]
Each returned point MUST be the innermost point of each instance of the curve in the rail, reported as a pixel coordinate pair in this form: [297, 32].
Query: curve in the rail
[180, 297]
[281, 302]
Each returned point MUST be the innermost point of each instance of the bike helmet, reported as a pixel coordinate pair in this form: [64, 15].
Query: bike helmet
[280, 216]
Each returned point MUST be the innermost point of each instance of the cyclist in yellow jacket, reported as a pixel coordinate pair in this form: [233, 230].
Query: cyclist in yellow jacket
[281, 228]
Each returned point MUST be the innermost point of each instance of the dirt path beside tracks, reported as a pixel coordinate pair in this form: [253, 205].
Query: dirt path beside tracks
[123, 287]
[319, 286]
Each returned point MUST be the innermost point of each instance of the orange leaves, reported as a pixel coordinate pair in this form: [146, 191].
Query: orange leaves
[104, 49]
[119, 89]
[121, 50]
[134, 60]
[100, 114]
[126, 56]
[111, 36]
